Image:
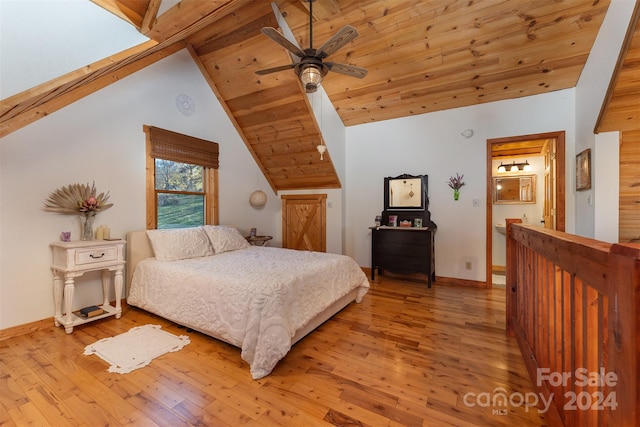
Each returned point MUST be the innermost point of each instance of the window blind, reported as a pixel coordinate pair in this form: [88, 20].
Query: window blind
[177, 147]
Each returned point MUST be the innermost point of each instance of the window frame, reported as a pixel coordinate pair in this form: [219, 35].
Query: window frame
[210, 173]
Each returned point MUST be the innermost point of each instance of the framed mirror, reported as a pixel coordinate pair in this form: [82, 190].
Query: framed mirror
[518, 189]
[405, 193]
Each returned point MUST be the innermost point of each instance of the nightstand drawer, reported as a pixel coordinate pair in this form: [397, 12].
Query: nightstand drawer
[94, 255]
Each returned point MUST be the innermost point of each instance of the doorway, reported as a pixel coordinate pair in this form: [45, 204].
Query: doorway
[550, 146]
[304, 222]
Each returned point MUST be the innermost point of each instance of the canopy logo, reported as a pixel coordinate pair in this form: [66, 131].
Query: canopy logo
[499, 400]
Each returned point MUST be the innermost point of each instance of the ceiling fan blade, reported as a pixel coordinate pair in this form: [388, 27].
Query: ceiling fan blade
[348, 70]
[274, 35]
[339, 39]
[283, 25]
[275, 69]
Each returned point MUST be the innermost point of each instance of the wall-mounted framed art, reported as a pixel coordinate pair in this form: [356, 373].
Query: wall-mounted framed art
[583, 170]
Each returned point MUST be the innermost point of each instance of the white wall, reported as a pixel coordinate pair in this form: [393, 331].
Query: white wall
[606, 167]
[100, 138]
[44, 39]
[590, 92]
[432, 144]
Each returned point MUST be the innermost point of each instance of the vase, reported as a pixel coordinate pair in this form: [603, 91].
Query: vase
[456, 194]
[86, 226]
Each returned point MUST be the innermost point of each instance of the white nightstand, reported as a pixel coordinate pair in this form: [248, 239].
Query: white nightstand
[73, 259]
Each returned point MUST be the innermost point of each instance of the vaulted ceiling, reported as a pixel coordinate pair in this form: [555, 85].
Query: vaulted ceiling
[422, 56]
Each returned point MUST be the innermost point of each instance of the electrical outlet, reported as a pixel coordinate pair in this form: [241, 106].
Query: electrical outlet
[468, 265]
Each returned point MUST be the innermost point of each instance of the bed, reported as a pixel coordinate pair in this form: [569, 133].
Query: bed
[260, 299]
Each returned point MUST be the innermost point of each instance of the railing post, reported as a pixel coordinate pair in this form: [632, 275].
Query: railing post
[511, 287]
[624, 329]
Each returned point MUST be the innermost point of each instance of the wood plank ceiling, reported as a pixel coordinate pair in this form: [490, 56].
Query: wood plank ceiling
[272, 113]
[422, 56]
[621, 109]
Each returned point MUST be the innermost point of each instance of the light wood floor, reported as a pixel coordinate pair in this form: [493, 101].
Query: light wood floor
[406, 356]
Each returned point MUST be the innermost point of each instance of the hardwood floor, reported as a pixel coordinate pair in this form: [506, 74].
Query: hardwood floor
[406, 356]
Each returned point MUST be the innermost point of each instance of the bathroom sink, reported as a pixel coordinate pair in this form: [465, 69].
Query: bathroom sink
[502, 228]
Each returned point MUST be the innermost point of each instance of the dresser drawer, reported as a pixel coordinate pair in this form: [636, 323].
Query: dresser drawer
[403, 251]
[390, 237]
[95, 255]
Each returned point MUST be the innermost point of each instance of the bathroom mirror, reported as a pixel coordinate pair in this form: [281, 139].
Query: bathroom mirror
[405, 192]
[514, 189]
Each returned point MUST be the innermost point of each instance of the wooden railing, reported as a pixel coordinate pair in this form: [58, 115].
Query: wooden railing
[573, 305]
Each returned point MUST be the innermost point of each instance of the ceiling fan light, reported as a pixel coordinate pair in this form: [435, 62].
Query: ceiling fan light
[311, 78]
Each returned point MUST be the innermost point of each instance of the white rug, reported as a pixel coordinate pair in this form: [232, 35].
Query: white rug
[136, 348]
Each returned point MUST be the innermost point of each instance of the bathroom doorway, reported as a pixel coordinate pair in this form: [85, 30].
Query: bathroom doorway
[545, 153]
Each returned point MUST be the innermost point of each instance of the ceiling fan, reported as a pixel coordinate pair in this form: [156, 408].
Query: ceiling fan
[310, 66]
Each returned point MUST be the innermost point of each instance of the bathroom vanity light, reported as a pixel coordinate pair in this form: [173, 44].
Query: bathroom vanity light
[515, 167]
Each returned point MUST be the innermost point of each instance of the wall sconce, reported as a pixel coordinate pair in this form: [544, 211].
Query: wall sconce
[258, 199]
[515, 167]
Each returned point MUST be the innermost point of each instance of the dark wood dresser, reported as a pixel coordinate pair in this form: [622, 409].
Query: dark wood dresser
[403, 250]
[403, 240]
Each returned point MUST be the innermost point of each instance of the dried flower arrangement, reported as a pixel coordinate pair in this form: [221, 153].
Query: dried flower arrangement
[456, 182]
[77, 198]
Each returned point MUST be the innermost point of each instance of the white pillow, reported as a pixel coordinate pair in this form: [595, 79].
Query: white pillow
[179, 243]
[225, 239]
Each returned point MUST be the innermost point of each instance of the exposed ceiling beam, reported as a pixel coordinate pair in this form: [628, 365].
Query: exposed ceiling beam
[28, 106]
[150, 16]
[627, 114]
[123, 11]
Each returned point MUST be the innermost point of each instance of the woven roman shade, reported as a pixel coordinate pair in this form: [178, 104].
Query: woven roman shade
[177, 147]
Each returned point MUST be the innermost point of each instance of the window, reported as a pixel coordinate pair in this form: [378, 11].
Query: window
[182, 174]
[179, 194]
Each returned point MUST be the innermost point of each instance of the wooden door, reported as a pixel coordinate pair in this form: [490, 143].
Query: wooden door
[549, 208]
[629, 191]
[304, 222]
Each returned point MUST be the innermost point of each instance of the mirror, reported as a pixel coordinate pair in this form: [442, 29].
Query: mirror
[405, 192]
[514, 189]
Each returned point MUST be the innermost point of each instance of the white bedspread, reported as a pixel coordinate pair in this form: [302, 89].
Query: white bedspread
[254, 298]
